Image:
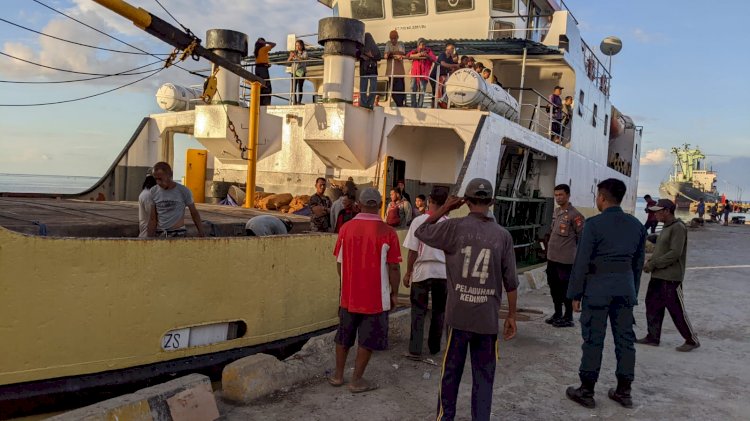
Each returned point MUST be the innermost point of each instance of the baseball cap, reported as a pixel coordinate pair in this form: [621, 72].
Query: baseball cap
[559, 87]
[479, 188]
[662, 204]
[370, 197]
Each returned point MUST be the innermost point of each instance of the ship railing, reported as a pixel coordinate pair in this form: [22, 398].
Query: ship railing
[535, 114]
[427, 98]
[595, 69]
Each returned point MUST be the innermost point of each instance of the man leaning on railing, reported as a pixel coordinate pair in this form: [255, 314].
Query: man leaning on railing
[394, 53]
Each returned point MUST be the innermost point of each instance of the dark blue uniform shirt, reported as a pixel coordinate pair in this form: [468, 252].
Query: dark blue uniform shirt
[609, 259]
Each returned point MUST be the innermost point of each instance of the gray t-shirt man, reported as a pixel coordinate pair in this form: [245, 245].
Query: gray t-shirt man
[170, 206]
[265, 225]
[479, 261]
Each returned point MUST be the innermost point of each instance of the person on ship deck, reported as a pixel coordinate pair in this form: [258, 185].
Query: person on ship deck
[422, 59]
[262, 64]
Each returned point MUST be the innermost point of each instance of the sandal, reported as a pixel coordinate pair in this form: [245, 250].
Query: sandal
[335, 383]
[364, 387]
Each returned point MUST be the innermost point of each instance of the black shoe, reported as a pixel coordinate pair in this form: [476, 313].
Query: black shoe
[553, 319]
[647, 341]
[688, 346]
[563, 323]
[584, 395]
[621, 395]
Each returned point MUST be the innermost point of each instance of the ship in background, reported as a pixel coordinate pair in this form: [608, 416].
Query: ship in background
[690, 179]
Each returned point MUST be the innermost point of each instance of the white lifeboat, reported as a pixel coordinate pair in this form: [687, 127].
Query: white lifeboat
[466, 88]
[171, 97]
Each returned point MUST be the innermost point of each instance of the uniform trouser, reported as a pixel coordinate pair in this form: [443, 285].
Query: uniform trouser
[558, 275]
[594, 330]
[667, 295]
[483, 350]
[651, 225]
[419, 296]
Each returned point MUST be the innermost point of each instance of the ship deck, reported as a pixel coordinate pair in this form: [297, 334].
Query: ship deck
[81, 218]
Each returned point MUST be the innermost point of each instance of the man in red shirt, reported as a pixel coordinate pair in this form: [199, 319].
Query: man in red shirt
[369, 256]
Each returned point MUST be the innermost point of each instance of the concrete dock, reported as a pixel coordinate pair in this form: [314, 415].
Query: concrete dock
[536, 367]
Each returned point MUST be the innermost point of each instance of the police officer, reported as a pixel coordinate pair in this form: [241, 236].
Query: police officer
[567, 225]
[604, 284]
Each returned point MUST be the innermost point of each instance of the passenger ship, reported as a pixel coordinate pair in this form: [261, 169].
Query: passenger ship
[84, 312]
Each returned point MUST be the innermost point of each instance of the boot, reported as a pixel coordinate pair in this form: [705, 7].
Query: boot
[621, 395]
[583, 395]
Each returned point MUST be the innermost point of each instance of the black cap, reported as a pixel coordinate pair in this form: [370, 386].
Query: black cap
[479, 188]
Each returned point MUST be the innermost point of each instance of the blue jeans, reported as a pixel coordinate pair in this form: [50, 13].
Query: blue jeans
[419, 88]
[368, 84]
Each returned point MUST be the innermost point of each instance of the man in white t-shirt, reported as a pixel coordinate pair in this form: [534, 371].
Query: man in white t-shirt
[168, 203]
[426, 275]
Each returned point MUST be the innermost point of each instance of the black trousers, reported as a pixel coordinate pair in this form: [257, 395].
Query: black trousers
[265, 90]
[398, 85]
[594, 330]
[420, 297]
[661, 295]
[483, 350]
[558, 276]
[299, 84]
[651, 225]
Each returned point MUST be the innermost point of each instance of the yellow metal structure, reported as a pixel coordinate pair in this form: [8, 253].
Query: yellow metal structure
[195, 173]
[140, 17]
[252, 143]
[71, 306]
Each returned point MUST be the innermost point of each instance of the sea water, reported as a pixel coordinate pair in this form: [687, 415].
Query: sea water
[29, 183]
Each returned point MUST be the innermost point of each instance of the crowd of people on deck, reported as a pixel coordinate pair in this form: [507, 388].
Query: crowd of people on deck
[426, 66]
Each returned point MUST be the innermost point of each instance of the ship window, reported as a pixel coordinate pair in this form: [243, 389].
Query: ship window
[594, 116]
[580, 103]
[503, 5]
[444, 6]
[502, 30]
[368, 9]
[606, 123]
[403, 8]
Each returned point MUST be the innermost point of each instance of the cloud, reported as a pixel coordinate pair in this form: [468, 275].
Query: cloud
[225, 14]
[645, 37]
[655, 157]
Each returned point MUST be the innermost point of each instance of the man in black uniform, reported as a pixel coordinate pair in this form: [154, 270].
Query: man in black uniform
[604, 284]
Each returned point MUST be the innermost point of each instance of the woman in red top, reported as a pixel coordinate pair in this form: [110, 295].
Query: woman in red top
[422, 58]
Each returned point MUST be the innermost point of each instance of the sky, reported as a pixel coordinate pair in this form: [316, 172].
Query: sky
[679, 75]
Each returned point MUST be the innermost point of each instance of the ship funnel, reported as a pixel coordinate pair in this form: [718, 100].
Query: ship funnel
[231, 45]
[340, 38]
